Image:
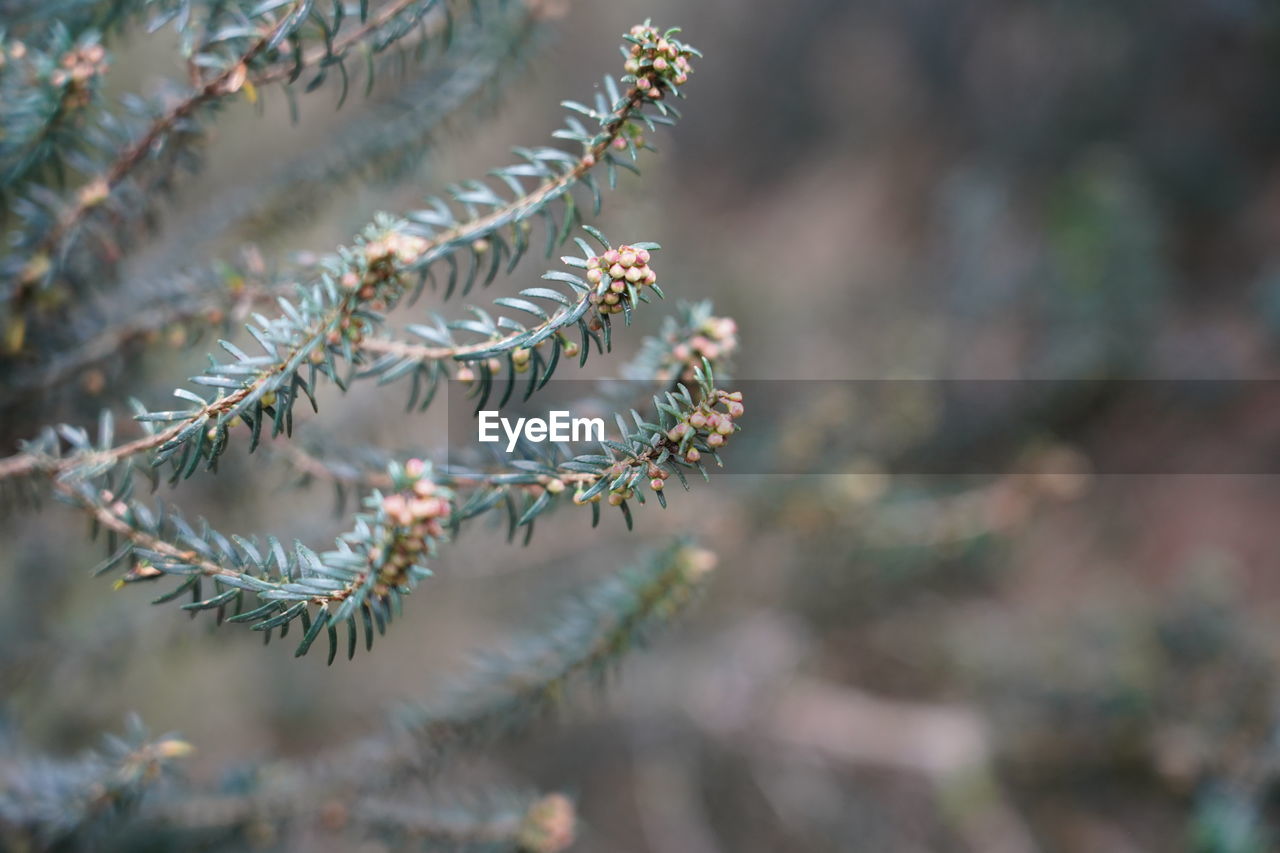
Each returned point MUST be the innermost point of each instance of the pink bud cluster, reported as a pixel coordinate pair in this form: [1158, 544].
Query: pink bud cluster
[549, 825]
[716, 338]
[382, 259]
[377, 285]
[658, 61]
[418, 513]
[711, 421]
[77, 69]
[708, 423]
[657, 482]
[613, 272]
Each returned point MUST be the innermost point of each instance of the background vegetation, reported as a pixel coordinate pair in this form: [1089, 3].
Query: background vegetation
[1054, 660]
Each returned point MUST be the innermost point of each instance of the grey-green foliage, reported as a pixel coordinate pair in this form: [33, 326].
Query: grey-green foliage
[74, 203]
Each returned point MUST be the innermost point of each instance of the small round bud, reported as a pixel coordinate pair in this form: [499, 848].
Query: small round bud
[693, 455]
[642, 255]
[656, 484]
[610, 257]
[618, 286]
[415, 468]
[593, 263]
[620, 144]
[634, 274]
[616, 271]
[735, 409]
[555, 486]
[570, 349]
[678, 431]
[594, 276]
[698, 420]
[659, 64]
[725, 427]
[627, 258]
[269, 398]
[465, 374]
[612, 298]
[715, 440]
[616, 499]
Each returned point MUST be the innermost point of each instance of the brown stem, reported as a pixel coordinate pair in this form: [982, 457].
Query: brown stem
[135, 153]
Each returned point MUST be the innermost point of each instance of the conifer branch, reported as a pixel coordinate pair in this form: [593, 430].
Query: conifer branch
[47, 803]
[228, 81]
[405, 13]
[357, 284]
[544, 824]
[385, 555]
[49, 93]
[586, 639]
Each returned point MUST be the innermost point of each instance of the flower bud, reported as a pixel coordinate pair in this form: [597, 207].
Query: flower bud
[627, 257]
[634, 274]
[693, 455]
[656, 484]
[715, 440]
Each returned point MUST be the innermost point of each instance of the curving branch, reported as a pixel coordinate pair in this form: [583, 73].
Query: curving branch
[359, 284]
[98, 189]
[385, 554]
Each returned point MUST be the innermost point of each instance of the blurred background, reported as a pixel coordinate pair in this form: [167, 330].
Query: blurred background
[1048, 657]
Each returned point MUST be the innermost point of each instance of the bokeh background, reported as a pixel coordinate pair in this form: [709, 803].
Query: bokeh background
[1051, 657]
